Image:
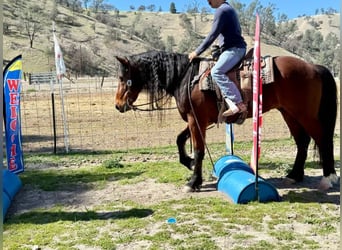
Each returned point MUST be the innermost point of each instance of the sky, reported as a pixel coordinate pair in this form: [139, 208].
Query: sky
[292, 8]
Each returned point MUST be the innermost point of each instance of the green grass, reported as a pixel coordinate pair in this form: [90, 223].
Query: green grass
[202, 223]
[132, 225]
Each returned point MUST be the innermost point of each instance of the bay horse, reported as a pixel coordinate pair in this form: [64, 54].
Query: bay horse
[304, 93]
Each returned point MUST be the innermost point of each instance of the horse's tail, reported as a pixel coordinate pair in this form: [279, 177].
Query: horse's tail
[327, 117]
[328, 106]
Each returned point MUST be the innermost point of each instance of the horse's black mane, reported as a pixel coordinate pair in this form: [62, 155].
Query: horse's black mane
[160, 70]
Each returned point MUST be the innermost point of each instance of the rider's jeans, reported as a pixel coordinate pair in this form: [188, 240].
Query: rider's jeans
[227, 60]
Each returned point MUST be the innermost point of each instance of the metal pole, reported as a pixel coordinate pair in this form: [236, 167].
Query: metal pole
[53, 117]
[54, 123]
[229, 139]
[66, 136]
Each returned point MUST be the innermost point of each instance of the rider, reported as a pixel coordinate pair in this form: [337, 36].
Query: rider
[226, 27]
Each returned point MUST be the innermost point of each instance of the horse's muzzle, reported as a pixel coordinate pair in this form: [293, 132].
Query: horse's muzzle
[123, 108]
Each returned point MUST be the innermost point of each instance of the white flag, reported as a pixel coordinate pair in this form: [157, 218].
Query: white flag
[60, 66]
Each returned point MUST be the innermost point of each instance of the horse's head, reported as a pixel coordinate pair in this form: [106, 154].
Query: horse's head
[128, 85]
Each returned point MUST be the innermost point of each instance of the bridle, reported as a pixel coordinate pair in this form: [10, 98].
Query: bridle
[129, 83]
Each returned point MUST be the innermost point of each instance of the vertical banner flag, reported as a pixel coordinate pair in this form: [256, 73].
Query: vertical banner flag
[257, 99]
[60, 71]
[12, 88]
[60, 66]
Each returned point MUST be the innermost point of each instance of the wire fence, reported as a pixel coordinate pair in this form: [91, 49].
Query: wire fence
[80, 116]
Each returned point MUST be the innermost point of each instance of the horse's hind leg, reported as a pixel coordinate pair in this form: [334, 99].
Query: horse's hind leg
[324, 142]
[326, 152]
[181, 140]
[302, 140]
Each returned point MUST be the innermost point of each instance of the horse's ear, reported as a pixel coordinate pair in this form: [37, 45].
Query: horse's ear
[122, 60]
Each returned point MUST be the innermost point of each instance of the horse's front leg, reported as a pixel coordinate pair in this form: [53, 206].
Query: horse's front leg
[198, 137]
[196, 180]
[183, 156]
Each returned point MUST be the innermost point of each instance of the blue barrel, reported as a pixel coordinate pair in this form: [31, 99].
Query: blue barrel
[237, 179]
[228, 163]
[11, 183]
[6, 202]
[239, 185]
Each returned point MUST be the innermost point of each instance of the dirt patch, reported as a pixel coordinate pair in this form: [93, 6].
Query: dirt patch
[149, 192]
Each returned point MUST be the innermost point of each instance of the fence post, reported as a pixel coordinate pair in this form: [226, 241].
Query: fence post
[53, 117]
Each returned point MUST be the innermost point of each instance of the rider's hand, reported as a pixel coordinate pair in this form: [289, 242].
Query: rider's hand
[192, 55]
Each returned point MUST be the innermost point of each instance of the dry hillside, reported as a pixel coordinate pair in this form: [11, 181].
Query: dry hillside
[327, 23]
[86, 33]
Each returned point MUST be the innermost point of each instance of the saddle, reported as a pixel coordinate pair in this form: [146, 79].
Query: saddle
[241, 74]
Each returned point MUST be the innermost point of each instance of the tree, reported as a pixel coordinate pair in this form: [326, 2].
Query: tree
[170, 43]
[54, 11]
[193, 7]
[284, 30]
[190, 39]
[142, 8]
[204, 12]
[151, 7]
[246, 14]
[267, 19]
[317, 41]
[135, 22]
[310, 45]
[249, 17]
[85, 3]
[329, 52]
[97, 5]
[112, 34]
[76, 6]
[173, 9]
[31, 21]
[152, 36]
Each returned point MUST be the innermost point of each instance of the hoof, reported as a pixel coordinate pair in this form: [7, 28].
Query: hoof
[289, 181]
[295, 177]
[327, 182]
[188, 189]
[333, 178]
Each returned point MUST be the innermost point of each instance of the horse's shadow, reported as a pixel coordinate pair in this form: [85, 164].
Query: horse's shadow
[306, 191]
[303, 192]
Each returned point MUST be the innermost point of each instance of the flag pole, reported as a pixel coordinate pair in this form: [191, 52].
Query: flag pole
[60, 71]
[229, 139]
[53, 107]
[257, 107]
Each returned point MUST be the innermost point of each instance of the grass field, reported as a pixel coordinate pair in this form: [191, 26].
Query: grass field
[123, 199]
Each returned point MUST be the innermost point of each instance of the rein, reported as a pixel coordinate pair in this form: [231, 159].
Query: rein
[195, 116]
[136, 107]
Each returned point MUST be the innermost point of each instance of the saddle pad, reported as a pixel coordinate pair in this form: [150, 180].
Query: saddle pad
[267, 73]
[206, 82]
[204, 78]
